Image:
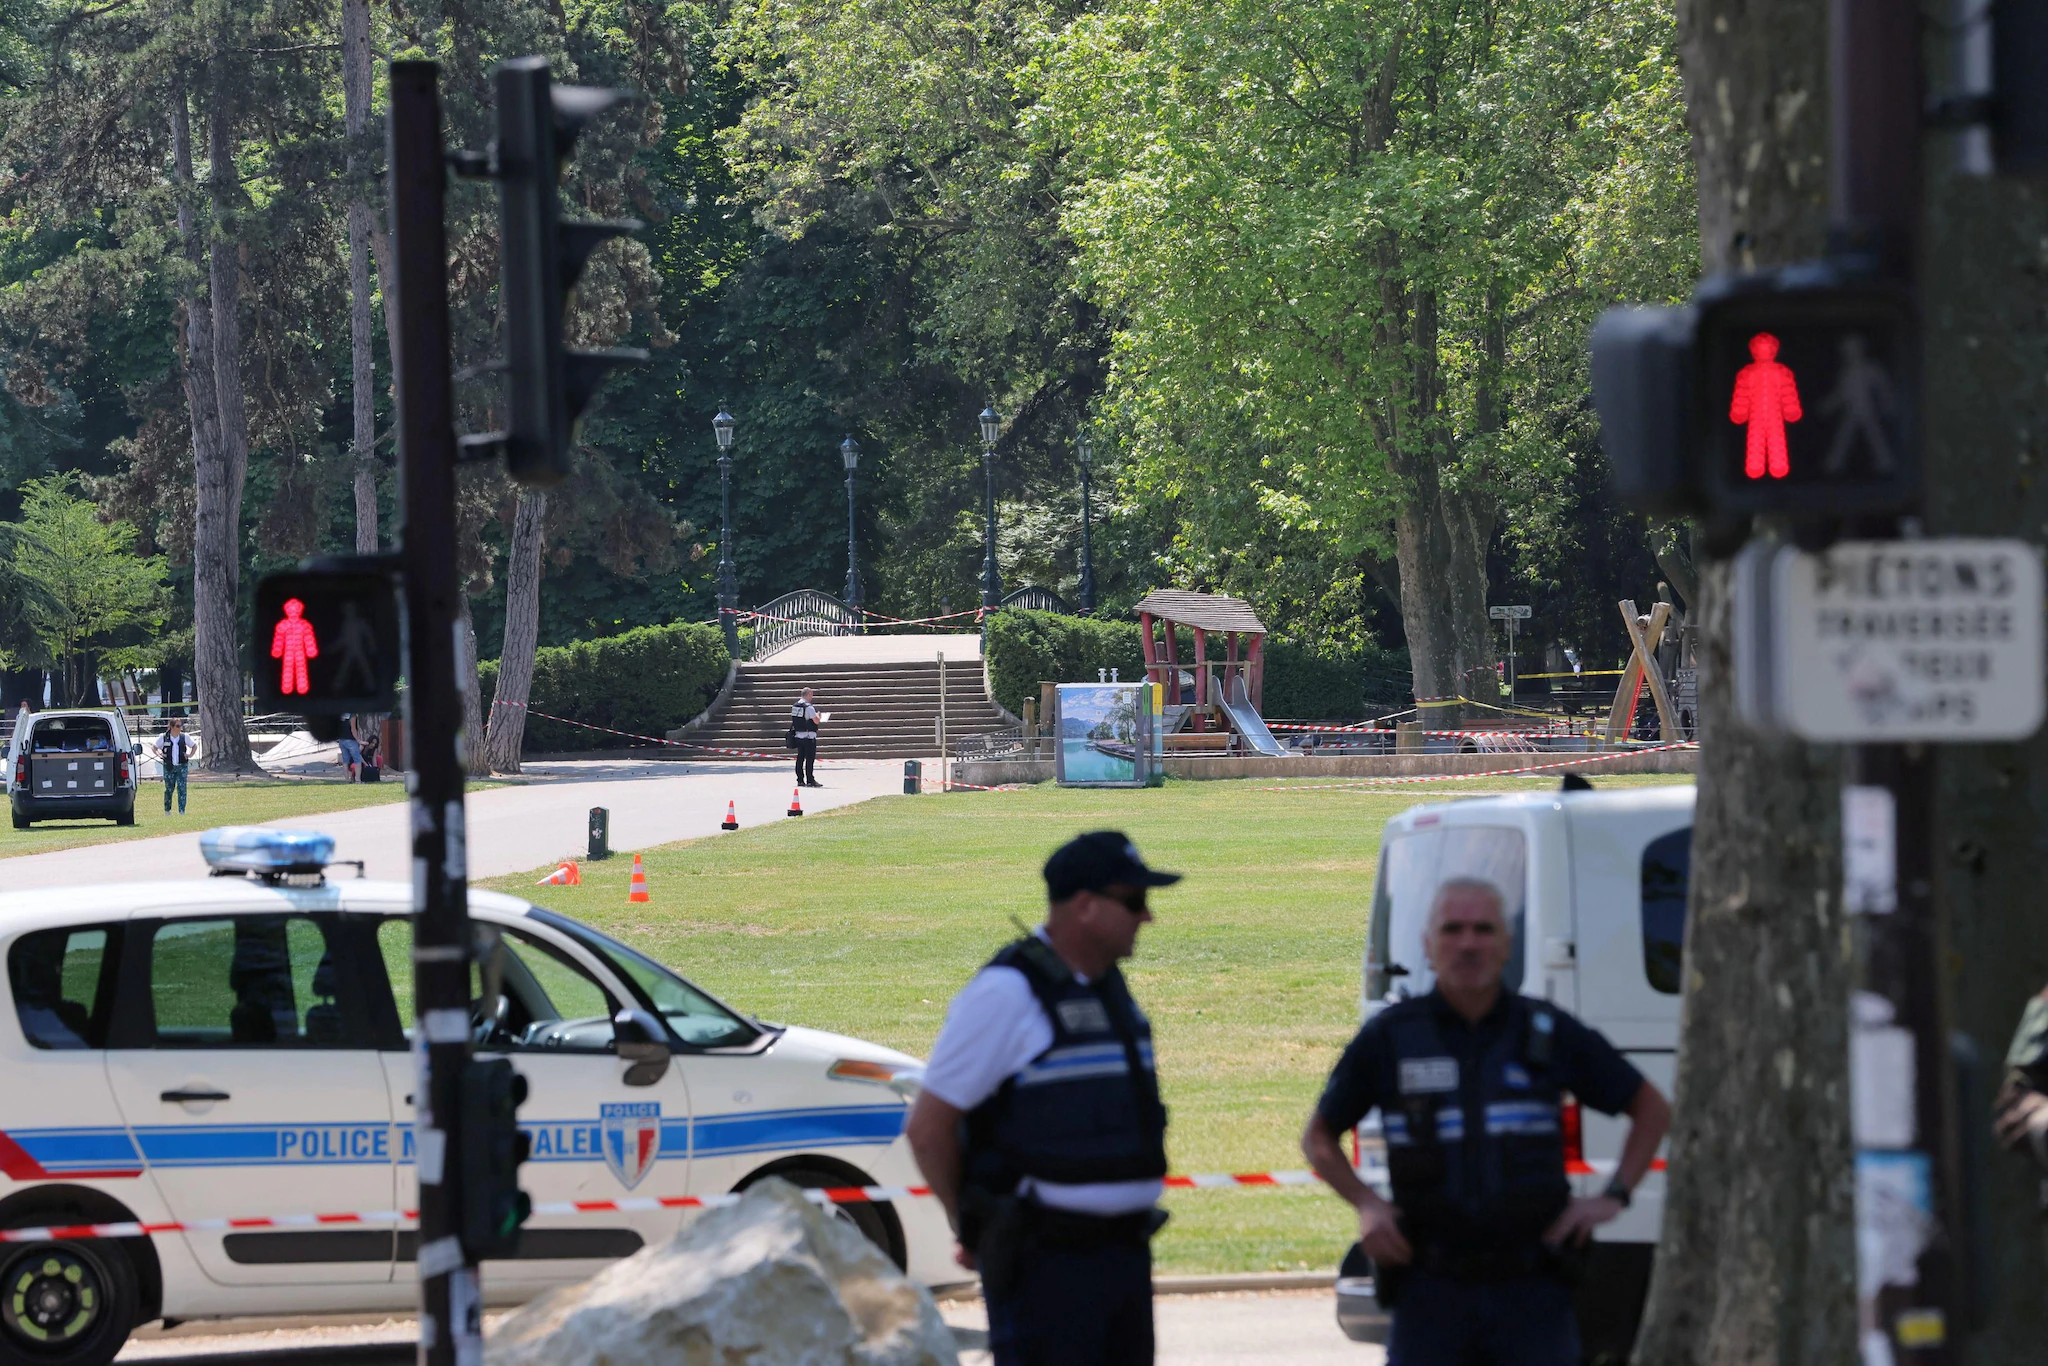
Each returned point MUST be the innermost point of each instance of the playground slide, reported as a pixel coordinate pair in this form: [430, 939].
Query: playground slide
[1248, 722]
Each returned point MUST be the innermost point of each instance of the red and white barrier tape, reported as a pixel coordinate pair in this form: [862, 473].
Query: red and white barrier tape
[922, 621]
[1382, 730]
[829, 1195]
[1577, 761]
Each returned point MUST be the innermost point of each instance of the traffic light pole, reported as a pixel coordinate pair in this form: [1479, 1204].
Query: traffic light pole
[1908, 1175]
[450, 1317]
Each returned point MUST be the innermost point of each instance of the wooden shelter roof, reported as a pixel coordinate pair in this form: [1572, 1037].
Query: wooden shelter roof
[1209, 611]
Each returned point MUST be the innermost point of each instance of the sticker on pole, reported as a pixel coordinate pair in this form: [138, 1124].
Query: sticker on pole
[1874, 641]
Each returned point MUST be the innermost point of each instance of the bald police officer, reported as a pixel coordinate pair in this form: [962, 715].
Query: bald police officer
[1040, 1126]
[1468, 1080]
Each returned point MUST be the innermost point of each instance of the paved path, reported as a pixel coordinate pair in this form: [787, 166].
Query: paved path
[1292, 1328]
[510, 828]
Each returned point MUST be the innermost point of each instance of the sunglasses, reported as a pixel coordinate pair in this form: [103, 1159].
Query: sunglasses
[1131, 899]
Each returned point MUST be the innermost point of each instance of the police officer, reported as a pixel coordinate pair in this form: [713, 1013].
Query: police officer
[1040, 1127]
[1473, 1252]
[2021, 1117]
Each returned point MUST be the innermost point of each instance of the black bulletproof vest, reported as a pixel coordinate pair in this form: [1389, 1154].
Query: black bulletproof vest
[1087, 1108]
[1474, 1146]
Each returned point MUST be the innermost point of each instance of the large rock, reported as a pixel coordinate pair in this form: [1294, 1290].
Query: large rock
[771, 1281]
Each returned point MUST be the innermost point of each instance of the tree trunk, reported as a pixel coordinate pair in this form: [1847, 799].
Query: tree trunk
[355, 87]
[1757, 1262]
[522, 634]
[469, 745]
[217, 476]
[1986, 397]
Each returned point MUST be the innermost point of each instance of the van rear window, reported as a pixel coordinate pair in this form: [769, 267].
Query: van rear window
[1667, 873]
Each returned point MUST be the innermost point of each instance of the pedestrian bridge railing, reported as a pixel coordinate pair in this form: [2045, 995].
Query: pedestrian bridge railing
[793, 616]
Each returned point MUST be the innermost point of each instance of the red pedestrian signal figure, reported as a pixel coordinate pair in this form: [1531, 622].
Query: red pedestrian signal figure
[1766, 398]
[293, 642]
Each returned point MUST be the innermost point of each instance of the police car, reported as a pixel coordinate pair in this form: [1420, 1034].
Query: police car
[238, 1048]
[1594, 885]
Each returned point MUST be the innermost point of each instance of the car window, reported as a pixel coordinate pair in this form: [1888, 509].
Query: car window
[1412, 866]
[62, 982]
[1667, 877]
[545, 1000]
[253, 981]
[695, 1016]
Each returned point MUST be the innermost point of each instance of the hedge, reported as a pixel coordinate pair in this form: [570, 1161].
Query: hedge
[646, 681]
[1302, 682]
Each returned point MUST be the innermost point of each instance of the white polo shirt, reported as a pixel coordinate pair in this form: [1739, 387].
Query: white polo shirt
[993, 1028]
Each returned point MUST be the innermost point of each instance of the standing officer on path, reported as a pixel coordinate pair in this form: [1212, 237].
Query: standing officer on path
[1040, 1126]
[1473, 1253]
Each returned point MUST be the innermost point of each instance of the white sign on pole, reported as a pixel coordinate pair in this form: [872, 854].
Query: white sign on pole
[1878, 641]
[1509, 613]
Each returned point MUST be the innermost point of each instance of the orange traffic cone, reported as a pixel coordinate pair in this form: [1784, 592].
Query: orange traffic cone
[732, 818]
[638, 891]
[575, 874]
[796, 807]
[565, 875]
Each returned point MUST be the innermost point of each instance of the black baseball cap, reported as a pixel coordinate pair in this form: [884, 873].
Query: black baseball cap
[1096, 860]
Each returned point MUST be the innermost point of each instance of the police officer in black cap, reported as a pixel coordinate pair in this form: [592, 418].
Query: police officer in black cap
[1040, 1126]
[1473, 1254]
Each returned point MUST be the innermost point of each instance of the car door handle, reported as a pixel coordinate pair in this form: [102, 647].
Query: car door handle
[189, 1097]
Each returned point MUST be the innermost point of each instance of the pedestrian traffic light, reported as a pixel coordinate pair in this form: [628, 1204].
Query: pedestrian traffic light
[1794, 394]
[547, 386]
[326, 643]
[493, 1206]
[1808, 401]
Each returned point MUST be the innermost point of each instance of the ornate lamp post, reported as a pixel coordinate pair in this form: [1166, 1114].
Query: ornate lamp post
[849, 455]
[728, 585]
[991, 581]
[1084, 451]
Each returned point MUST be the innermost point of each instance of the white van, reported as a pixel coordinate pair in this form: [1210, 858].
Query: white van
[72, 765]
[1595, 886]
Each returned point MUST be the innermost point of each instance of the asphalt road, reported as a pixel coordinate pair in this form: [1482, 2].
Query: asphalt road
[1292, 1328]
[511, 828]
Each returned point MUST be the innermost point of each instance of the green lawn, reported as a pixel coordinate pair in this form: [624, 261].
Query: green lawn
[866, 919]
[244, 801]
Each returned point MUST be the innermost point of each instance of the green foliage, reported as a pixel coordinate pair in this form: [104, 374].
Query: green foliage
[81, 584]
[1303, 681]
[1025, 649]
[646, 681]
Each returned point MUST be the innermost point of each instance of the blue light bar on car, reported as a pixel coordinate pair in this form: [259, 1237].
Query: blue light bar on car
[260, 849]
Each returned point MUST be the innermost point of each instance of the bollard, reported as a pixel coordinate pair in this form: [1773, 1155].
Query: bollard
[600, 833]
[913, 777]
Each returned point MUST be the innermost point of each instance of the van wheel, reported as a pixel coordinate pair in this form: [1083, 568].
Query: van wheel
[21, 822]
[67, 1303]
[125, 818]
[877, 1222]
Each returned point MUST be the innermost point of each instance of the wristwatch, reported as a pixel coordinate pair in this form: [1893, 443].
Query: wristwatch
[1617, 1191]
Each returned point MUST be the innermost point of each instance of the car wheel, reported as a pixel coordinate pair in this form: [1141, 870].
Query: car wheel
[65, 1303]
[877, 1222]
[22, 822]
[125, 818]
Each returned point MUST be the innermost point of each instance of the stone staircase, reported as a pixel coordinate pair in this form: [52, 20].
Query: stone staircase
[879, 710]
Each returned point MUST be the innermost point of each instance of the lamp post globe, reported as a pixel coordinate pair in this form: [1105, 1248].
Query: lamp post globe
[1084, 454]
[991, 581]
[728, 583]
[849, 455]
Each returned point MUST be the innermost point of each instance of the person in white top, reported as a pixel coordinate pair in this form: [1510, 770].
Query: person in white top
[1040, 1127]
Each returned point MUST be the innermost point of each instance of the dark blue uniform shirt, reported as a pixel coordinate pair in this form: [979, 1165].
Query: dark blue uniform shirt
[1367, 1075]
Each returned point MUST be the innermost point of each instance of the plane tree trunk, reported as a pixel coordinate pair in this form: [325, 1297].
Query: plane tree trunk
[1757, 1262]
[522, 634]
[355, 85]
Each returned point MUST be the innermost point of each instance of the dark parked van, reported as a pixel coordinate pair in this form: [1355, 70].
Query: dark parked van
[72, 765]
